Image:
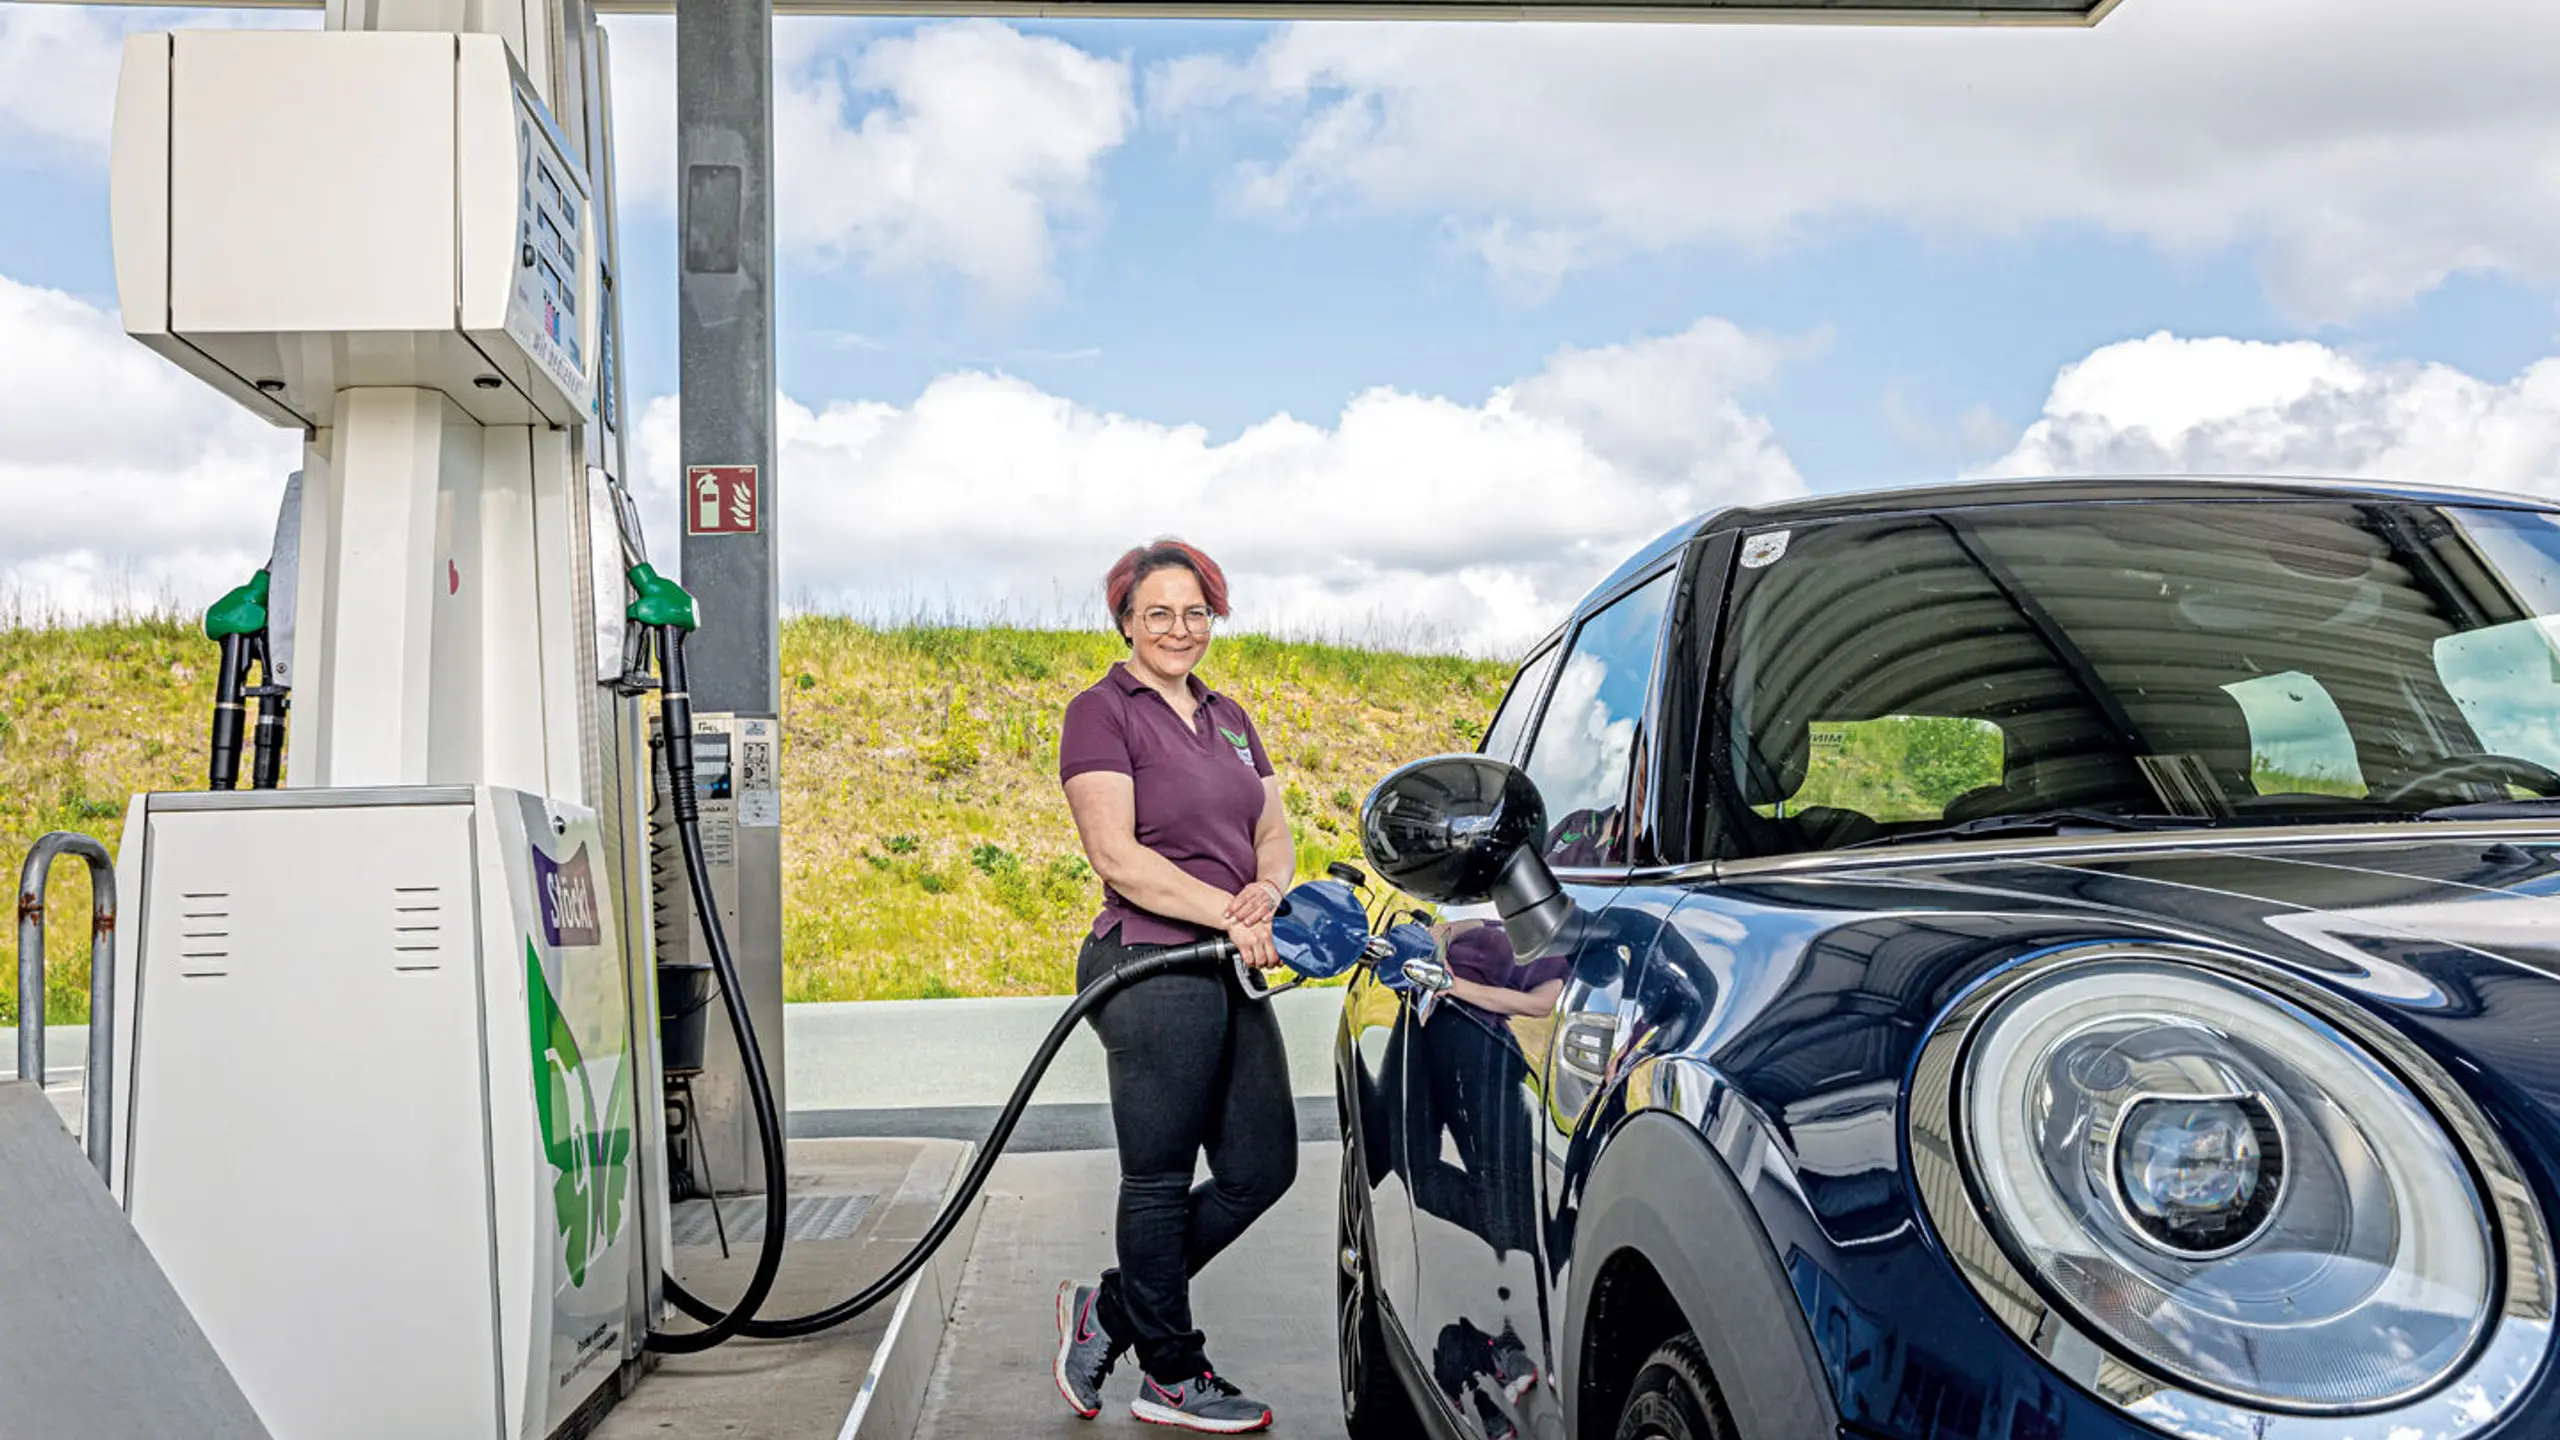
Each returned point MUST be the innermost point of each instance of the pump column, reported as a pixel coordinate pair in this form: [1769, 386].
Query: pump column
[724, 159]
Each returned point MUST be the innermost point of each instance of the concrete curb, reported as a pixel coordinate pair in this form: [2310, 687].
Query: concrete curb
[891, 1400]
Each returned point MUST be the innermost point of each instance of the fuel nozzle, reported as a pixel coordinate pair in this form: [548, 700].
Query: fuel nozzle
[670, 613]
[238, 623]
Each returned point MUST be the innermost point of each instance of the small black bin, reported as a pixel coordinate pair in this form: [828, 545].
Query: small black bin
[684, 1013]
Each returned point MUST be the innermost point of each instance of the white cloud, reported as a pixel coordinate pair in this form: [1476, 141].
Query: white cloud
[1409, 517]
[965, 146]
[58, 67]
[1588, 771]
[2370, 147]
[58, 77]
[126, 481]
[2167, 405]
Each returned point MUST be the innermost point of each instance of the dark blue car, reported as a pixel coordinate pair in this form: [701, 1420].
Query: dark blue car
[2012, 961]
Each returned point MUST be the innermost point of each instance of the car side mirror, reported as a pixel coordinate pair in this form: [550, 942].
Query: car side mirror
[1464, 829]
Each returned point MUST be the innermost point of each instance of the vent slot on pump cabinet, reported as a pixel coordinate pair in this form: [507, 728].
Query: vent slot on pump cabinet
[204, 934]
[417, 928]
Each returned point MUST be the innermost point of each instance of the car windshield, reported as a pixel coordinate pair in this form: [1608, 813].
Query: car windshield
[2137, 663]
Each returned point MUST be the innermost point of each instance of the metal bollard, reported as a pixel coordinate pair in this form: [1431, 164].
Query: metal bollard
[98, 1085]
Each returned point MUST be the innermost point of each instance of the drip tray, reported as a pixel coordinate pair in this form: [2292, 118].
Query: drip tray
[823, 1215]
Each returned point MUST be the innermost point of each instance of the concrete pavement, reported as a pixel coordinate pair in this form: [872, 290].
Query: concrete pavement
[1266, 1306]
[815, 1388]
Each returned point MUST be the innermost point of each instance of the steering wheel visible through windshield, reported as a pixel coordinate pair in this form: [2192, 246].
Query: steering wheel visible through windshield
[2136, 663]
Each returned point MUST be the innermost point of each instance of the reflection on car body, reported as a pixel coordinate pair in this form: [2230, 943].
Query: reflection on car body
[1990, 905]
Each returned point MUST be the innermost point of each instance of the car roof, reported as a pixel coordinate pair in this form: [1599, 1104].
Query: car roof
[2046, 490]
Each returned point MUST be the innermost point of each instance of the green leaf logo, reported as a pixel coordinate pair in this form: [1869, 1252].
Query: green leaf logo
[591, 1153]
[1244, 751]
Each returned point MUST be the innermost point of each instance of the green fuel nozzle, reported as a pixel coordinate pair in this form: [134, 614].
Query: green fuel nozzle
[238, 623]
[660, 601]
[242, 612]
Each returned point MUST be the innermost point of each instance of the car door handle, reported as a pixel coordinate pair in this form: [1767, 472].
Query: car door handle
[1587, 1043]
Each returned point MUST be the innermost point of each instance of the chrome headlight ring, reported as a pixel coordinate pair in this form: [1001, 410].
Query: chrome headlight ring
[2491, 1363]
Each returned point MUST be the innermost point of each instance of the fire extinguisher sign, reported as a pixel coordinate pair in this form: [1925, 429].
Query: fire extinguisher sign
[721, 500]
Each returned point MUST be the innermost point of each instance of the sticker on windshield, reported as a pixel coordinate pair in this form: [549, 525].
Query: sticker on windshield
[1764, 549]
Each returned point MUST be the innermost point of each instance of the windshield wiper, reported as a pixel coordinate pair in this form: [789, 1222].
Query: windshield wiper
[2052, 822]
[2539, 807]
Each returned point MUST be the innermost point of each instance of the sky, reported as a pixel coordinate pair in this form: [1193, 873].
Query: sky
[1421, 328]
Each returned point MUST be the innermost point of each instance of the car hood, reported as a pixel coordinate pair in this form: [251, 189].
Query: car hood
[2455, 937]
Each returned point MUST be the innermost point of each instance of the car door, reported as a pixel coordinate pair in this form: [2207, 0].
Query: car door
[1379, 1022]
[1475, 1073]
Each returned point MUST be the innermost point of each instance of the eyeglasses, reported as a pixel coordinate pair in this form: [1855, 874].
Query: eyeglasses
[1159, 620]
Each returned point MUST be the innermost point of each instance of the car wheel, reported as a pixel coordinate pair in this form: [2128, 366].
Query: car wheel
[1674, 1397]
[1374, 1405]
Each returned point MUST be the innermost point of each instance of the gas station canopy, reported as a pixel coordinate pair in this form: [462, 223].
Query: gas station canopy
[1854, 12]
[1846, 12]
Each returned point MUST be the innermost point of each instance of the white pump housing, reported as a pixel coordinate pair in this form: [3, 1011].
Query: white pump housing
[429, 1201]
[411, 218]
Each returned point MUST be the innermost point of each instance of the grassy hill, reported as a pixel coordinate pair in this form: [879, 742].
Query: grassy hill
[926, 848]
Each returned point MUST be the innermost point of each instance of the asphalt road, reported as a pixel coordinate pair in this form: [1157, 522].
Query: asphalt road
[940, 1069]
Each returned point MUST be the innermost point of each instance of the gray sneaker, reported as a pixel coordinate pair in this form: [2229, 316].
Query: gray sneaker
[1086, 1351]
[1203, 1402]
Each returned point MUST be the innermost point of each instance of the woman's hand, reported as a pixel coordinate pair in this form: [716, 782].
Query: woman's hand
[1255, 904]
[1253, 944]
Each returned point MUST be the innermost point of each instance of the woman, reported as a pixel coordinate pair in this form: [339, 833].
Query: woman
[1175, 801]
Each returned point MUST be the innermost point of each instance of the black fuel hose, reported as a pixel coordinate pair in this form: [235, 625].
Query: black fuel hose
[675, 709]
[1193, 956]
[676, 725]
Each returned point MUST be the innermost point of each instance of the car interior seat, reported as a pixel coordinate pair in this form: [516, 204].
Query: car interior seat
[1769, 779]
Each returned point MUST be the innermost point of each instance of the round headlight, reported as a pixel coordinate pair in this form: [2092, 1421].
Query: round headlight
[2199, 1174]
[2229, 1190]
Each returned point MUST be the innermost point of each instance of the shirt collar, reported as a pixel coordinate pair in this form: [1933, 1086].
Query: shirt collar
[1131, 684]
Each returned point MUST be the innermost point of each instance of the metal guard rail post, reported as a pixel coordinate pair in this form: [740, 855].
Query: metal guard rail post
[98, 1084]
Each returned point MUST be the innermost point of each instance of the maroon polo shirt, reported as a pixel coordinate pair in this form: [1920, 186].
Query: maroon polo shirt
[1483, 954]
[1198, 787]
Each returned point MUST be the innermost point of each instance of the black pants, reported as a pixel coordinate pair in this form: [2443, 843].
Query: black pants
[1194, 1065]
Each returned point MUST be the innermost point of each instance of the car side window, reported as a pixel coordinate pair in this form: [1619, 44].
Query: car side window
[1586, 743]
[1502, 739]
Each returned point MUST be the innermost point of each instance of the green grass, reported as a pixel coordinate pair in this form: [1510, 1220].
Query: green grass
[926, 847]
[87, 717]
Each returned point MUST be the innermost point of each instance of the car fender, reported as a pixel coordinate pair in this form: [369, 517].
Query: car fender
[1659, 1190]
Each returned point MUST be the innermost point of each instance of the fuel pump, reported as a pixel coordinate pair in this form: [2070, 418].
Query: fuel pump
[238, 624]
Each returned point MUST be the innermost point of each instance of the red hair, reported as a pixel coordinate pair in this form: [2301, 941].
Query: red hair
[1121, 585]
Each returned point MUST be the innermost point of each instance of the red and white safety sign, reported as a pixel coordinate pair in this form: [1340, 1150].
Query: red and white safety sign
[721, 500]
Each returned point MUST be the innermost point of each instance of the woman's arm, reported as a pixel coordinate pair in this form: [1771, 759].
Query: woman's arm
[1275, 853]
[1105, 807]
[1275, 859]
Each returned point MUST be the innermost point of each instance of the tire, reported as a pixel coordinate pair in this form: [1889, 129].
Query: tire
[1674, 1397]
[1374, 1403]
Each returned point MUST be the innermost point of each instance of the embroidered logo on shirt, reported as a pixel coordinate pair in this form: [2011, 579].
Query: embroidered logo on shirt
[1244, 751]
